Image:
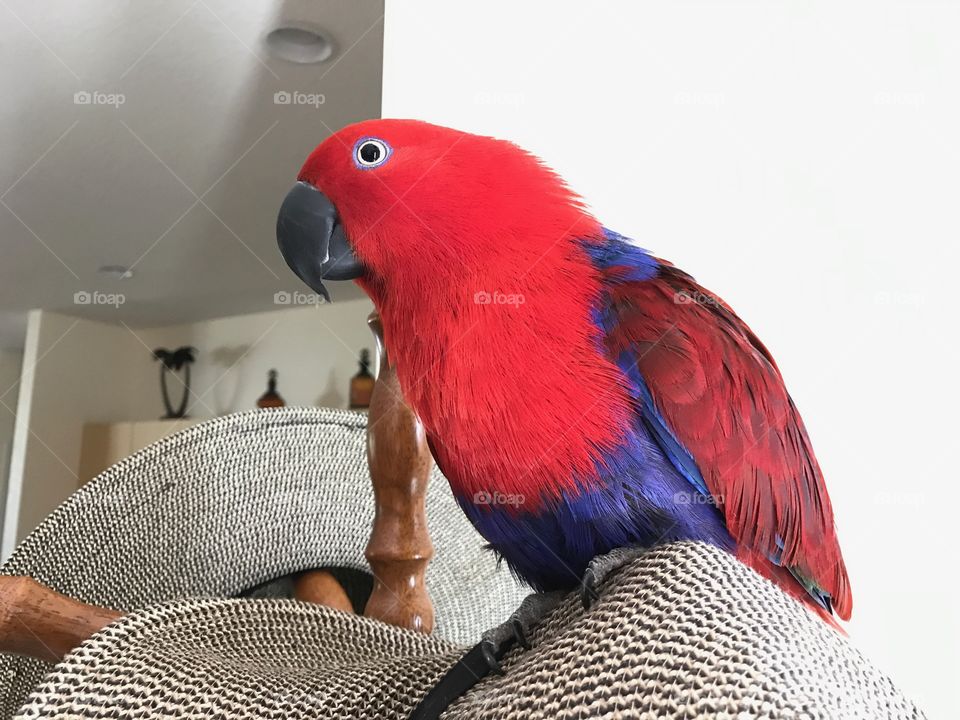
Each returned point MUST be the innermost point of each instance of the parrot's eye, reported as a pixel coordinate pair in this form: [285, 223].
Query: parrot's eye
[370, 153]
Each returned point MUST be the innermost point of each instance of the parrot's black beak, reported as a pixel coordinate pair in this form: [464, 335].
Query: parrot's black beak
[312, 239]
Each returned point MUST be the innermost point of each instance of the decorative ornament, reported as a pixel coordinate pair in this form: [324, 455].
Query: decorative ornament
[173, 362]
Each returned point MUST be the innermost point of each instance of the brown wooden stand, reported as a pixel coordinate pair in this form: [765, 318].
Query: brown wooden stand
[39, 622]
[321, 587]
[399, 459]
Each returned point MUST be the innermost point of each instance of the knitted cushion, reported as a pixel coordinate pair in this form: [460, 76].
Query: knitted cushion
[233, 503]
[684, 631]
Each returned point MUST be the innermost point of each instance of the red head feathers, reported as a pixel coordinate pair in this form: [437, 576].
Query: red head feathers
[435, 201]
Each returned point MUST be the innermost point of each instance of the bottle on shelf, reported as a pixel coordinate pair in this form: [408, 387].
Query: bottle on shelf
[271, 398]
[361, 384]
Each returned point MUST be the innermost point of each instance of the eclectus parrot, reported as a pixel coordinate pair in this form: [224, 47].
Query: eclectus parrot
[580, 394]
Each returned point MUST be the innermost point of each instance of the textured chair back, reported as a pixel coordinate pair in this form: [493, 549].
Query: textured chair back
[684, 632]
[236, 502]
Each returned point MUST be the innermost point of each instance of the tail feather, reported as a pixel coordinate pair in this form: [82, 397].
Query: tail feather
[794, 583]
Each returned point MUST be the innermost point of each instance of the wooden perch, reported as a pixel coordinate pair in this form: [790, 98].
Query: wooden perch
[321, 587]
[400, 461]
[39, 622]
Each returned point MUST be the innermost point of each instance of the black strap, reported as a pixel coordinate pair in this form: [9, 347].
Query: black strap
[466, 672]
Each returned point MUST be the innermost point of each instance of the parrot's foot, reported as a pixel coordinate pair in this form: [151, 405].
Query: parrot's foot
[484, 657]
[600, 568]
[516, 630]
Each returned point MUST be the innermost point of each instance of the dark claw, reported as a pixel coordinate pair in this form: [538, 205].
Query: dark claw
[520, 633]
[489, 655]
[588, 590]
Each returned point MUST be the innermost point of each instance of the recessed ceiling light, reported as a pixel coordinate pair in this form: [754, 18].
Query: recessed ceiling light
[299, 43]
[117, 272]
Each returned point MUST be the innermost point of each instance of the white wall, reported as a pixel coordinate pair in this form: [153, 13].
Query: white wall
[78, 371]
[10, 364]
[801, 160]
[74, 371]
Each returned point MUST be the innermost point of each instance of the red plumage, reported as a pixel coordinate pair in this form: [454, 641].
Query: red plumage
[433, 234]
[517, 399]
[724, 398]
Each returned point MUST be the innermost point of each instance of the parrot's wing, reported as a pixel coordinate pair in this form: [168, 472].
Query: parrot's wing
[717, 403]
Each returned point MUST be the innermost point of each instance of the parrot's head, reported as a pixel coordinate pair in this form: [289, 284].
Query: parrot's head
[405, 207]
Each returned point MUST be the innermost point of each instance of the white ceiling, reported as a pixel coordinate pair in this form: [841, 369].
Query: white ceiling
[183, 180]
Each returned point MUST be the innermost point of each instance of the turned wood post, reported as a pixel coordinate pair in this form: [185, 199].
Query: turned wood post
[399, 459]
[41, 623]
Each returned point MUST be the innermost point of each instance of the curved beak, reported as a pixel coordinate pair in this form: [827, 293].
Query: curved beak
[312, 240]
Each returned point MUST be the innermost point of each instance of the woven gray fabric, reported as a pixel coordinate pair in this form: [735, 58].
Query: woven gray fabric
[683, 632]
[242, 659]
[235, 502]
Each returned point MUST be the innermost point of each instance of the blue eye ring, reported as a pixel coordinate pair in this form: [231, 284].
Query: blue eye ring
[371, 152]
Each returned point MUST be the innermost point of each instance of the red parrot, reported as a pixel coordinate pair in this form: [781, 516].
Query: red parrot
[581, 395]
